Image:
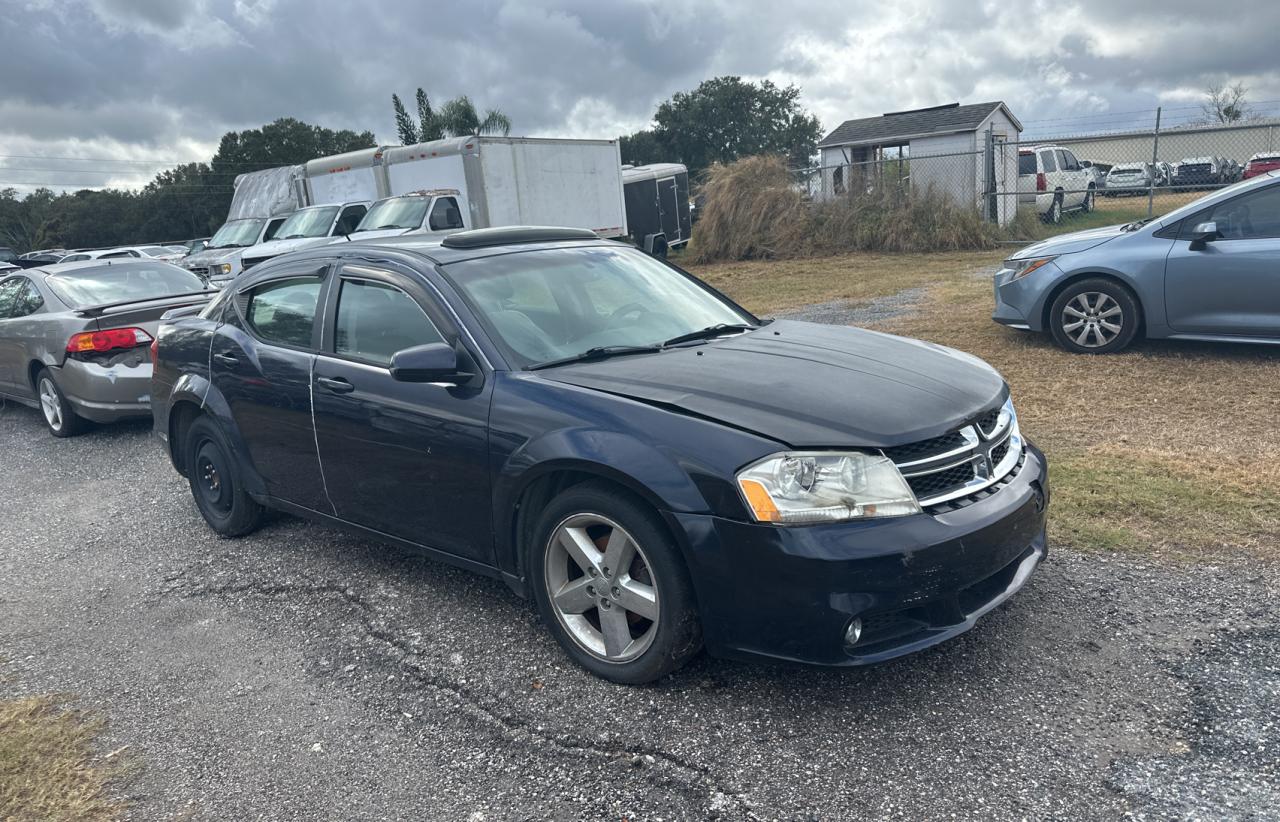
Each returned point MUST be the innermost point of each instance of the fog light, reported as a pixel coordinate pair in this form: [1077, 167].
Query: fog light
[853, 633]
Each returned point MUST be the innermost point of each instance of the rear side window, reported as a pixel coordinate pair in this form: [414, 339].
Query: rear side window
[284, 312]
[376, 320]
[1026, 164]
[18, 298]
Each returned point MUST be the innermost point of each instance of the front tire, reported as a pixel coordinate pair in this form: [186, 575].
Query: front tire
[59, 417]
[215, 482]
[612, 586]
[1094, 316]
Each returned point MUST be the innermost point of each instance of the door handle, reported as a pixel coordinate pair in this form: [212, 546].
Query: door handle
[336, 384]
[226, 359]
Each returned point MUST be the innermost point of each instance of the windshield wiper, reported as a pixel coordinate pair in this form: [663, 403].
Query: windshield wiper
[717, 330]
[600, 352]
[1136, 224]
[292, 237]
[384, 227]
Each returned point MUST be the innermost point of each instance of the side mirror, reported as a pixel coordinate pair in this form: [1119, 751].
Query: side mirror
[433, 362]
[1203, 233]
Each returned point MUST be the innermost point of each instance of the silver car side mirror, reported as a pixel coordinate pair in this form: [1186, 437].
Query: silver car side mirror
[1202, 234]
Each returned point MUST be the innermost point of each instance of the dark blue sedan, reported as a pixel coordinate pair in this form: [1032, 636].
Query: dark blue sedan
[657, 468]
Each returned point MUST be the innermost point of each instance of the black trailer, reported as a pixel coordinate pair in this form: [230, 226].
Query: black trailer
[657, 200]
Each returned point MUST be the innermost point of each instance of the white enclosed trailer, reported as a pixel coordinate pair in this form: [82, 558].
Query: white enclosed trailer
[501, 181]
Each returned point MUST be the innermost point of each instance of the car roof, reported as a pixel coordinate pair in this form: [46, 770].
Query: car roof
[79, 265]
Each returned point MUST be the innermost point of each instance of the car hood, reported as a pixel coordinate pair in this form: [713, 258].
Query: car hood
[1071, 243]
[807, 385]
[212, 255]
[274, 248]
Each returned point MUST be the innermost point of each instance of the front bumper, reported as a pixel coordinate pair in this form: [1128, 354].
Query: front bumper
[106, 393]
[1018, 302]
[788, 594]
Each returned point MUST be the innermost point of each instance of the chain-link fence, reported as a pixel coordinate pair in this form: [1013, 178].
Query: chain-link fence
[1060, 177]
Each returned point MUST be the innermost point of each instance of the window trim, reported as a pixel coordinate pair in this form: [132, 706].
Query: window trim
[330, 348]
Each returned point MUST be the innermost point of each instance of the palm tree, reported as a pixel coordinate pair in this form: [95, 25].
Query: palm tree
[456, 118]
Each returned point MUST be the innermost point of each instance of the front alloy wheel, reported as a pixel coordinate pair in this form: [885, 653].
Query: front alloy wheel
[602, 588]
[611, 584]
[1094, 317]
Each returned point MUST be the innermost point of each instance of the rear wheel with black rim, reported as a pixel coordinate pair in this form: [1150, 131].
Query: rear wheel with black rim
[612, 586]
[59, 416]
[215, 482]
[1095, 316]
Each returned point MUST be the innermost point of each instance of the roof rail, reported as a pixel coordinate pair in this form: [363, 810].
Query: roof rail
[510, 235]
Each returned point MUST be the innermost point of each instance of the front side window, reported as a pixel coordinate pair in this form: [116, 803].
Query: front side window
[445, 214]
[1046, 160]
[555, 303]
[376, 320]
[284, 312]
[1253, 216]
[19, 297]
[351, 216]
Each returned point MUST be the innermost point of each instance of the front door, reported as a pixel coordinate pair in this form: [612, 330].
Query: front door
[406, 459]
[1232, 284]
[261, 359]
[669, 207]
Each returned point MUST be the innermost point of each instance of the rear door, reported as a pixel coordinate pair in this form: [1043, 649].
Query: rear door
[406, 459]
[261, 359]
[1232, 285]
[669, 209]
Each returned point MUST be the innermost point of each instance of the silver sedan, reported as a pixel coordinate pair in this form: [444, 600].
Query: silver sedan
[75, 338]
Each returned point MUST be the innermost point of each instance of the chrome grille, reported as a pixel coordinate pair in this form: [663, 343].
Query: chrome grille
[962, 463]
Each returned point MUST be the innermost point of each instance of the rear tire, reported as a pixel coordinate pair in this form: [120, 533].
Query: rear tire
[1087, 205]
[631, 624]
[1054, 215]
[59, 417]
[215, 482]
[1094, 316]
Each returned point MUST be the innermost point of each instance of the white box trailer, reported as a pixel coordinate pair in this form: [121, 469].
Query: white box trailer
[501, 181]
[347, 178]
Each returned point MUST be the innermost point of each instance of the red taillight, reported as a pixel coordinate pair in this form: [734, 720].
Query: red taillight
[1041, 182]
[109, 340]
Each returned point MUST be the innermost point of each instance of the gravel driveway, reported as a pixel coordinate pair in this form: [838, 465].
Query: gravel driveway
[301, 673]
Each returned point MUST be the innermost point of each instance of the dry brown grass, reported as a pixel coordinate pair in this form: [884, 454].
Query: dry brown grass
[766, 287]
[48, 770]
[1168, 446]
[752, 209]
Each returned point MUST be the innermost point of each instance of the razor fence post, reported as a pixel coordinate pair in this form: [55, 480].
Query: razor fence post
[1155, 158]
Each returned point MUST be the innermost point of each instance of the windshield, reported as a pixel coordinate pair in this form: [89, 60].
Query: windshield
[309, 222]
[397, 212]
[237, 233]
[155, 250]
[121, 282]
[558, 303]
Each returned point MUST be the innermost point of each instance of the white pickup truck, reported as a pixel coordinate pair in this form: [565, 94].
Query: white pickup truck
[1051, 178]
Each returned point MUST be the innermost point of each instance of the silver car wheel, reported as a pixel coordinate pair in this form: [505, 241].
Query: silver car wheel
[601, 587]
[1092, 319]
[50, 404]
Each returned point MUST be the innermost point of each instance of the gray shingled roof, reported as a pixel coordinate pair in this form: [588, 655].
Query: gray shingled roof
[896, 126]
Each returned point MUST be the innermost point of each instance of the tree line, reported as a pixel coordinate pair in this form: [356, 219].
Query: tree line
[719, 121]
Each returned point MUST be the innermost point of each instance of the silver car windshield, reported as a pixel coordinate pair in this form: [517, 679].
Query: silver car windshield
[398, 212]
[237, 233]
[558, 303]
[121, 282]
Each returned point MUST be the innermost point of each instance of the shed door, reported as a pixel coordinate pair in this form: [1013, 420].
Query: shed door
[669, 208]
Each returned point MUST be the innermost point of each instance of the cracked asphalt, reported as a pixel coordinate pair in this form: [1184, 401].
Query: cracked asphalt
[302, 673]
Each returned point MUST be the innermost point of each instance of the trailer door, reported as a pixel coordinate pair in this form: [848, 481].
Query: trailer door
[669, 207]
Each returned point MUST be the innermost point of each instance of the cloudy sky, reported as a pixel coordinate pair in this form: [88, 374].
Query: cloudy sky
[130, 84]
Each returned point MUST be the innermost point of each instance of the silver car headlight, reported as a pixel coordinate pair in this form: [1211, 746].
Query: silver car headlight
[1022, 268]
[825, 486]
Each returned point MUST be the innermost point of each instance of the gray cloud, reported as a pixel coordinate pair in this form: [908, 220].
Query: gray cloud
[165, 78]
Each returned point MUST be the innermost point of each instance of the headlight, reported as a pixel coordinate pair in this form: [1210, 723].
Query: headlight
[1022, 268]
[825, 487]
[223, 268]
